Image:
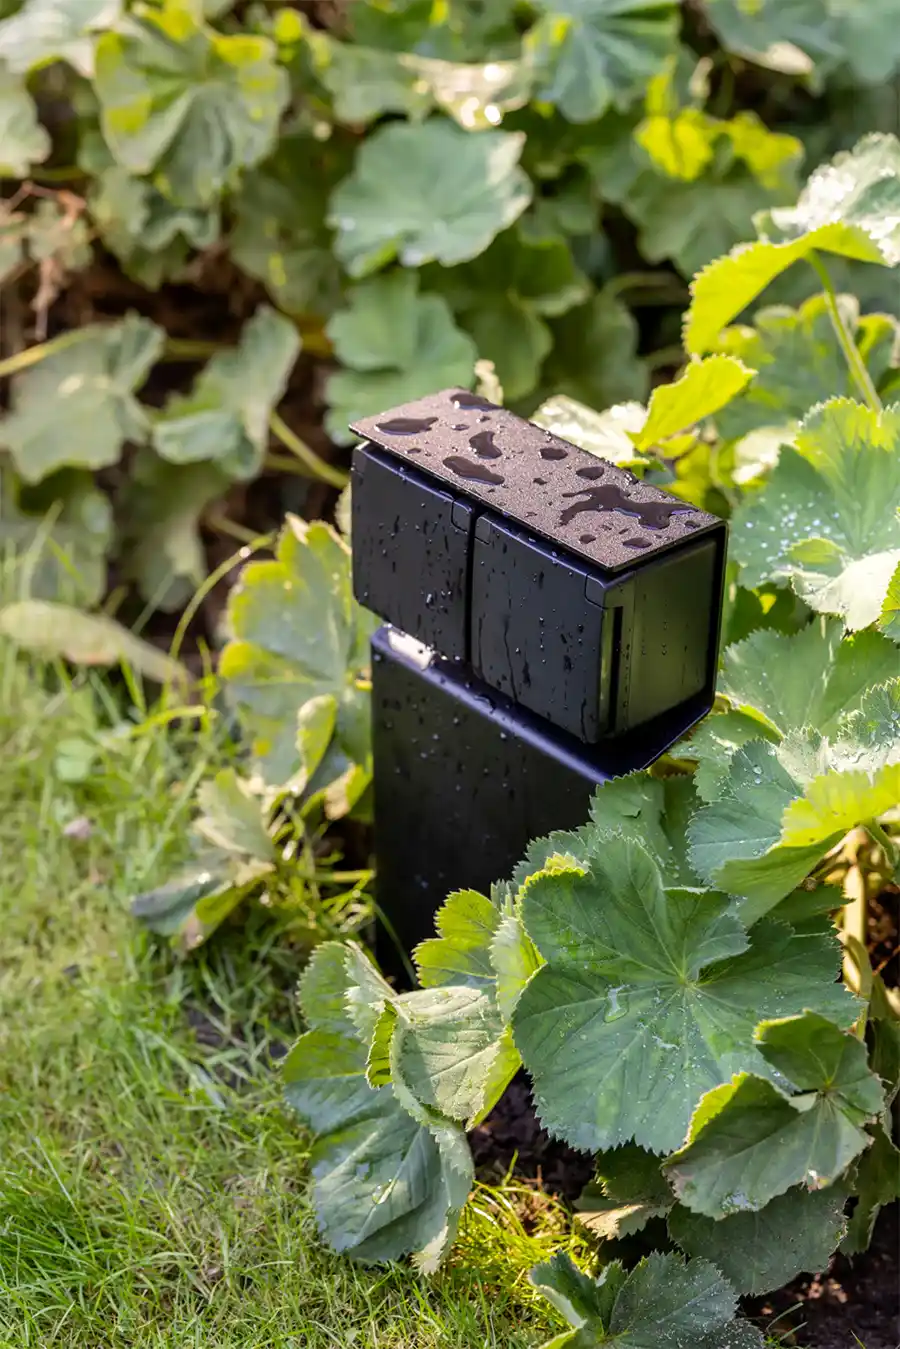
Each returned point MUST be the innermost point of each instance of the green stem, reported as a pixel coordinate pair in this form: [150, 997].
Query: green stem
[852, 354]
[335, 477]
[32, 355]
[880, 836]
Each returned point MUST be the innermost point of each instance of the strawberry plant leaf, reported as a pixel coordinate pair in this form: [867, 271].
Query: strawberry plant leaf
[77, 406]
[703, 389]
[186, 104]
[297, 634]
[848, 207]
[663, 1299]
[461, 953]
[592, 55]
[394, 205]
[793, 1234]
[640, 980]
[23, 141]
[225, 417]
[43, 31]
[750, 1142]
[396, 345]
[827, 521]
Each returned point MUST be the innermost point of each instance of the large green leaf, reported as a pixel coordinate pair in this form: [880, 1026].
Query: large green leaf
[750, 1141]
[461, 953]
[649, 997]
[428, 193]
[595, 54]
[298, 634]
[799, 362]
[225, 417]
[876, 1183]
[794, 1233]
[186, 104]
[594, 357]
[44, 30]
[827, 520]
[830, 34]
[396, 345]
[662, 1301]
[703, 388]
[383, 1184]
[61, 541]
[23, 141]
[848, 207]
[77, 406]
[627, 1192]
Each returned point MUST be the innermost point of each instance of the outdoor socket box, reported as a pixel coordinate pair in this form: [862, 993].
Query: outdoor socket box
[552, 622]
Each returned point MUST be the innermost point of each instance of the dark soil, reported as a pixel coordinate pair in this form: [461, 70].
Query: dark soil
[858, 1297]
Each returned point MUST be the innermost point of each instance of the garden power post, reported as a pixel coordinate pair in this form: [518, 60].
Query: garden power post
[552, 622]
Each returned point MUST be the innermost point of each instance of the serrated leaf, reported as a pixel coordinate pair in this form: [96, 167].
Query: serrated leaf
[365, 82]
[703, 389]
[393, 204]
[162, 505]
[799, 362]
[662, 1300]
[194, 903]
[877, 1182]
[889, 618]
[397, 345]
[297, 633]
[649, 997]
[62, 544]
[834, 803]
[628, 1192]
[23, 141]
[225, 417]
[323, 988]
[514, 959]
[848, 207]
[795, 1233]
[461, 953]
[607, 434]
[77, 406]
[234, 817]
[60, 630]
[43, 31]
[592, 55]
[827, 521]
[186, 104]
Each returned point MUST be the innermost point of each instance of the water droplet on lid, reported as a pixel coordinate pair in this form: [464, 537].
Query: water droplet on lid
[540, 482]
[554, 452]
[484, 446]
[468, 468]
[406, 426]
[464, 400]
[586, 538]
[593, 472]
[635, 541]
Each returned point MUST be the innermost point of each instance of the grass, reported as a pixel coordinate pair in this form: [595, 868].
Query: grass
[152, 1189]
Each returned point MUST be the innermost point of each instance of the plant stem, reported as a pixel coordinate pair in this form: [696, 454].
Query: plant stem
[33, 355]
[852, 354]
[880, 836]
[335, 477]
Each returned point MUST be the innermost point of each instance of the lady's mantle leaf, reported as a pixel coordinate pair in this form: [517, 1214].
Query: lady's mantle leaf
[703, 389]
[298, 634]
[225, 417]
[397, 345]
[23, 141]
[383, 1184]
[629, 1190]
[44, 30]
[191, 106]
[428, 193]
[750, 1142]
[63, 552]
[889, 618]
[794, 1233]
[461, 953]
[595, 54]
[827, 521]
[77, 405]
[663, 1300]
[649, 997]
[850, 207]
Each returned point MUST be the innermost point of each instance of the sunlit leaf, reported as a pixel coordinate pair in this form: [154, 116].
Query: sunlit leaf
[703, 389]
[44, 30]
[607, 434]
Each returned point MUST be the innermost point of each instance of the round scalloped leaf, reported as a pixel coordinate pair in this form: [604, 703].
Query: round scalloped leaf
[592, 55]
[427, 193]
[43, 31]
[23, 141]
[189, 105]
[649, 997]
[63, 552]
[827, 520]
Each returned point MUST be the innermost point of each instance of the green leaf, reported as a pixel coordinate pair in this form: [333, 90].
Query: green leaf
[663, 1300]
[397, 345]
[514, 959]
[594, 357]
[162, 505]
[186, 104]
[60, 630]
[394, 205]
[649, 997]
[779, 33]
[795, 1233]
[592, 55]
[234, 817]
[323, 988]
[827, 521]
[475, 95]
[749, 1142]
[889, 618]
[297, 634]
[194, 903]
[43, 31]
[848, 207]
[77, 405]
[704, 388]
[280, 236]
[225, 417]
[461, 953]
[364, 83]
[62, 542]
[607, 434]
[834, 803]
[23, 141]
[799, 362]
[877, 1182]
[628, 1192]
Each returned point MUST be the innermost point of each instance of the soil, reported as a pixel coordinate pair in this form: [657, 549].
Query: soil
[859, 1297]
